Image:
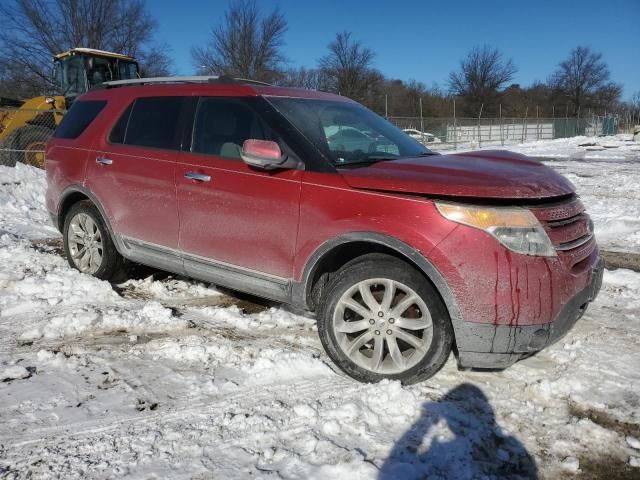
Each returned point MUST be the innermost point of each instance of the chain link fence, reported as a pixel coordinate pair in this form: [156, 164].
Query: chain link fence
[452, 133]
[24, 134]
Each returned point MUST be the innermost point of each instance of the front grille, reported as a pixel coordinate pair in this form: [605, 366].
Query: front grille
[570, 230]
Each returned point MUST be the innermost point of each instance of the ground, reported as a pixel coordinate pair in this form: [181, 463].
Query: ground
[163, 376]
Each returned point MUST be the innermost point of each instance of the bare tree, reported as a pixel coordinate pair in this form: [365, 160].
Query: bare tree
[483, 72]
[348, 65]
[35, 30]
[245, 44]
[156, 61]
[583, 78]
[309, 78]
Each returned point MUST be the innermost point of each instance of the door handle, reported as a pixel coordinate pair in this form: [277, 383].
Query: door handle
[103, 161]
[198, 177]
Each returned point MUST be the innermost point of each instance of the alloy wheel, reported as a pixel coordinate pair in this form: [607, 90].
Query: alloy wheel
[383, 326]
[85, 243]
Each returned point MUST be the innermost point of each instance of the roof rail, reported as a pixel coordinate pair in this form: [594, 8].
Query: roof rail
[191, 79]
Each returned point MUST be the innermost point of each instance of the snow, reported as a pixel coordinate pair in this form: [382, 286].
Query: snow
[13, 373]
[163, 376]
[633, 442]
[605, 172]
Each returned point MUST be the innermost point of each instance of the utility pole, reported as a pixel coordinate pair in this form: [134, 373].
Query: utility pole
[479, 131]
[501, 128]
[421, 122]
[455, 127]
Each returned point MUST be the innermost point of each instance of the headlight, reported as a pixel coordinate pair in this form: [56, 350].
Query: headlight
[515, 228]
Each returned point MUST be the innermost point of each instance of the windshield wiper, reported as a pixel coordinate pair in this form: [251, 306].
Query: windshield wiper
[368, 160]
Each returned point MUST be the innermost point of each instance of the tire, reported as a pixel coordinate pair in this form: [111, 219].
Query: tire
[84, 218]
[26, 145]
[366, 350]
[7, 156]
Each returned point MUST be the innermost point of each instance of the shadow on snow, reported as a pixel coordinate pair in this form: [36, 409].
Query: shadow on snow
[466, 442]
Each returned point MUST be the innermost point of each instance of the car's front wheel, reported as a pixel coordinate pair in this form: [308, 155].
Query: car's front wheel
[380, 318]
[87, 243]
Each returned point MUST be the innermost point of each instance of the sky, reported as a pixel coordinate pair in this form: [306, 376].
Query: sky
[425, 40]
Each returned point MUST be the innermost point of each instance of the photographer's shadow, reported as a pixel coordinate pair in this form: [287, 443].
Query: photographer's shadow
[466, 443]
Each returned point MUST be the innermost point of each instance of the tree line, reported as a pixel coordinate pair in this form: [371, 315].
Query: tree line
[249, 43]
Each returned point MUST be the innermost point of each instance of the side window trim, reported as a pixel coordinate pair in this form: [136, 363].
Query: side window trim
[127, 111]
[196, 111]
[126, 127]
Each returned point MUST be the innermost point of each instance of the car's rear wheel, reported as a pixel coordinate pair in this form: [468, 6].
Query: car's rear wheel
[380, 318]
[87, 243]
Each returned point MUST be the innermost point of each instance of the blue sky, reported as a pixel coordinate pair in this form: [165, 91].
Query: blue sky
[425, 40]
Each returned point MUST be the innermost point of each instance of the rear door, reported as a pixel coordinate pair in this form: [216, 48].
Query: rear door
[237, 222]
[131, 171]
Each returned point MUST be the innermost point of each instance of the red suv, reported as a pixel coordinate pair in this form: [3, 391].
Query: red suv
[310, 199]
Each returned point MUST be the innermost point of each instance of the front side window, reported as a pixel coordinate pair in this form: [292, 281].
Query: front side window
[150, 122]
[347, 133]
[222, 125]
[70, 76]
[127, 70]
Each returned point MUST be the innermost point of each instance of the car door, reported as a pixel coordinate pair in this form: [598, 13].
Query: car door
[132, 170]
[238, 224]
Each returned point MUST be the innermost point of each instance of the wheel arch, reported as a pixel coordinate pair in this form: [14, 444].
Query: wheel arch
[77, 193]
[338, 251]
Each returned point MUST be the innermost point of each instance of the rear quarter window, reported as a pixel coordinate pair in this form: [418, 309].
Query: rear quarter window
[78, 118]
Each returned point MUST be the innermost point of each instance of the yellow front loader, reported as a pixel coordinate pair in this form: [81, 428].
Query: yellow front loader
[26, 126]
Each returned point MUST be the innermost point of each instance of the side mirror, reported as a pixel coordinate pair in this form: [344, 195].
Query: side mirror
[265, 154]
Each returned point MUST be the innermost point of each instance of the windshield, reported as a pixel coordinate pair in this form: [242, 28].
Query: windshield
[69, 75]
[347, 133]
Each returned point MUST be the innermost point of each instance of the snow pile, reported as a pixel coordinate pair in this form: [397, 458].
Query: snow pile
[614, 148]
[22, 201]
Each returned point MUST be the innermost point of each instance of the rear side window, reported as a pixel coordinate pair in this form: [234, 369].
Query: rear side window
[223, 124]
[150, 122]
[78, 118]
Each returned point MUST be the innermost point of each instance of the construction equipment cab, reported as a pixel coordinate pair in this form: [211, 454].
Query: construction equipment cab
[81, 69]
[26, 125]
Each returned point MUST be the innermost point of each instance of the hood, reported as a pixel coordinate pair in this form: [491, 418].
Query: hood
[494, 174]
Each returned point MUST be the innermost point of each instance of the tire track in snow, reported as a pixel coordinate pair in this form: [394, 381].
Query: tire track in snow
[305, 390]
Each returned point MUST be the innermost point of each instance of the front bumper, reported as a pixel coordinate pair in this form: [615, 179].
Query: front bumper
[499, 346]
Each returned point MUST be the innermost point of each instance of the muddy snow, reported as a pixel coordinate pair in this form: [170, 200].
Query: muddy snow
[167, 377]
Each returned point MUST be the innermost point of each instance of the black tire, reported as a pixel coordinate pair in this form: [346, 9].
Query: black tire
[378, 266]
[112, 263]
[28, 145]
[7, 155]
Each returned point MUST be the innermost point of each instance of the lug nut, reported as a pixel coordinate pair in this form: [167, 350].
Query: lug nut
[372, 321]
[392, 320]
[377, 332]
[389, 332]
[381, 314]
